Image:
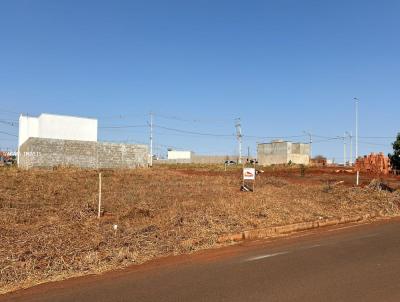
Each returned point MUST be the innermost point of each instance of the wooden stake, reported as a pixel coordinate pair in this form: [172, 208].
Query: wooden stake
[99, 212]
[255, 175]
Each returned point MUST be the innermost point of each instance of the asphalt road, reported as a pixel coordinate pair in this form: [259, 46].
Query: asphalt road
[358, 263]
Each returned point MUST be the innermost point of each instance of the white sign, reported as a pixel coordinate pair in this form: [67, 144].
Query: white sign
[249, 173]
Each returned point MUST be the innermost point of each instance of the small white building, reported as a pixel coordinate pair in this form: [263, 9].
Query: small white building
[54, 126]
[179, 155]
[57, 127]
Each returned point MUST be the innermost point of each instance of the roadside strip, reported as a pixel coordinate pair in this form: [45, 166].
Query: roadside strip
[297, 227]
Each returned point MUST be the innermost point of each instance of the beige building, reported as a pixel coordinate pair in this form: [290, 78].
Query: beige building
[282, 152]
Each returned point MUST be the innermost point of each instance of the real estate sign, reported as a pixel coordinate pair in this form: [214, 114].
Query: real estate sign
[249, 173]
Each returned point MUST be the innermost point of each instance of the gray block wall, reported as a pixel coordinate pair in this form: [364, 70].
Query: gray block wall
[212, 159]
[200, 159]
[281, 152]
[47, 153]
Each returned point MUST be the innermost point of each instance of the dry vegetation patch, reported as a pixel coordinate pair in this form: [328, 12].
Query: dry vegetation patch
[49, 228]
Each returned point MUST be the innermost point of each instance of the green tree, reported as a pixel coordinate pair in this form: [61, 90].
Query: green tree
[395, 157]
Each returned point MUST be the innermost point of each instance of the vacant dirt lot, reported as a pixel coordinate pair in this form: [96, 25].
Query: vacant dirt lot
[49, 228]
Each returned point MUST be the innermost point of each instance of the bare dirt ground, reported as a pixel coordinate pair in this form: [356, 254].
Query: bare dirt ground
[49, 228]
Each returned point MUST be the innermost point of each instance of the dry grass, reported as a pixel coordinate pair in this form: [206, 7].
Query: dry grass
[49, 228]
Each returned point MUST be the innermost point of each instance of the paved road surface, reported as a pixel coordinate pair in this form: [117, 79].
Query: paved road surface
[358, 263]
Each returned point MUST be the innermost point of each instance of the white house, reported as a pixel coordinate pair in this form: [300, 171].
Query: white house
[178, 155]
[57, 127]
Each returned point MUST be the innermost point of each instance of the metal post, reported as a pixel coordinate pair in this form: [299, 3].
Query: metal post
[151, 140]
[344, 151]
[358, 172]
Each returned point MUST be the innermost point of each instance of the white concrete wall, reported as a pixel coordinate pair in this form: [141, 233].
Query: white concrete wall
[67, 127]
[57, 127]
[174, 154]
[28, 127]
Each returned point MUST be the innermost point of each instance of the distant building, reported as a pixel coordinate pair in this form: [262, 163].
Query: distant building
[57, 127]
[179, 155]
[189, 157]
[330, 162]
[282, 152]
[51, 140]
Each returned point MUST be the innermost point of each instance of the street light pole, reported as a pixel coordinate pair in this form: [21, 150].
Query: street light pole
[151, 140]
[344, 151]
[358, 172]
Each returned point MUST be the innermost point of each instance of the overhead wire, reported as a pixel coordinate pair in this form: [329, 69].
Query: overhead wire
[180, 119]
[184, 132]
[374, 144]
[123, 126]
[9, 123]
[193, 132]
[7, 133]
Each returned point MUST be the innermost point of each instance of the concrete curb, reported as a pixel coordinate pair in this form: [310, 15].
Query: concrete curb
[296, 227]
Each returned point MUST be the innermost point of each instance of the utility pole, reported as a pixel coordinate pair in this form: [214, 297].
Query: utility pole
[358, 172]
[151, 140]
[239, 136]
[350, 135]
[311, 141]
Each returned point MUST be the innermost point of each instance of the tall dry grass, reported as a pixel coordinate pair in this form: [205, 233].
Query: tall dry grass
[49, 227]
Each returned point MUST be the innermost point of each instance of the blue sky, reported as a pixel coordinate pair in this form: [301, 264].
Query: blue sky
[283, 67]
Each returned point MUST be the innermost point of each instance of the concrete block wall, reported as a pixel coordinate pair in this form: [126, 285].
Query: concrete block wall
[199, 159]
[299, 159]
[281, 152]
[272, 154]
[212, 159]
[46, 153]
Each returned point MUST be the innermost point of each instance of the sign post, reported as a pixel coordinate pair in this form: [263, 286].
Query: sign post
[99, 209]
[249, 174]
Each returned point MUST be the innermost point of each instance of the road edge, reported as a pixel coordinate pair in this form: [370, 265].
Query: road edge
[277, 231]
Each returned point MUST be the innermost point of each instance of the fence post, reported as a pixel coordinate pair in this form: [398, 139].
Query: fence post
[99, 211]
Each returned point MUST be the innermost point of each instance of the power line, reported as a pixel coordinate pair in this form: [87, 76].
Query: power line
[378, 137]
[7, 139]
[10, 111]
[9, 123]
[193, 132]
[374, 144]
[120, 116]
[10, 134]
[180, 119]
[328, 140]
[322, 136]
[190, 135]
[123, 126]
[273, 137]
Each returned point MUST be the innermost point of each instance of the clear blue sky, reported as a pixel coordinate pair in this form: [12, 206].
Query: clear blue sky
[282, 66]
